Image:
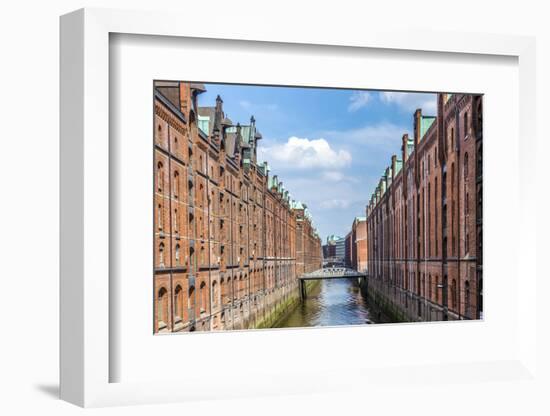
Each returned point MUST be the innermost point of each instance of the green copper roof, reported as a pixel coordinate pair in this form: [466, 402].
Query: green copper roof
[296, 205]
[203, 123]
[425, 123]
[273, 182]
[246, 133]
[410, 146]
[398, 166]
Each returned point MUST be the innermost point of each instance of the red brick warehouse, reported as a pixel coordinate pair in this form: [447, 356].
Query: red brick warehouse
[229, 240]
[424, 220]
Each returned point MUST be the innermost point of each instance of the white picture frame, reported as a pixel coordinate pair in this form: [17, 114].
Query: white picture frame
[86, 338]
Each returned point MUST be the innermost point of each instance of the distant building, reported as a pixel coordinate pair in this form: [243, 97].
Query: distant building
[341, 248]
[348, 248]
[356, 245]
[334, 250]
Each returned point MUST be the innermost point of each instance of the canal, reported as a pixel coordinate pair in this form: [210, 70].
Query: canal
[331, 302]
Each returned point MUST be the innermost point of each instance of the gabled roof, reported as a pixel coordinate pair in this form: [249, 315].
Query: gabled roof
[296, 205]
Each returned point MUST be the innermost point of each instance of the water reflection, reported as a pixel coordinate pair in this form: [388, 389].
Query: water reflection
[331, 302]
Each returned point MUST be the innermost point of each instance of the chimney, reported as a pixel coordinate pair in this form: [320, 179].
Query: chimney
[218, 114]
[185, 97]
[404, 147]
[253, 138]
[238, 150]
[417, 122]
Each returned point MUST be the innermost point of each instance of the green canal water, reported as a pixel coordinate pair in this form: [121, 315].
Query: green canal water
[330, 303]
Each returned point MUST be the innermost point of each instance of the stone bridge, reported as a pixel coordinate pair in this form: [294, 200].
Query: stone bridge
[328, 273]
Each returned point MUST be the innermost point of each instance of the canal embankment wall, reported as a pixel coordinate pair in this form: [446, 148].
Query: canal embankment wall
[400, 305]
[276, 311]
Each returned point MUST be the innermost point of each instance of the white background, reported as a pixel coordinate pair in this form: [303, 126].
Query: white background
[29, 212]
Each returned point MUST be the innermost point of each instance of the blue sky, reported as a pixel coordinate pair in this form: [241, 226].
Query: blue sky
[328, 146]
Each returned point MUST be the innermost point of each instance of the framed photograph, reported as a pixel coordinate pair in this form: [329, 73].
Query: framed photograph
[234, 247]
[241, 207]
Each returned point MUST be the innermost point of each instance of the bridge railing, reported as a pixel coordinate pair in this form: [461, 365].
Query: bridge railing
[333, 272]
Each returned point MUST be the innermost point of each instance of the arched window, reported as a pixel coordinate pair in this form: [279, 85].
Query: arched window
[466, 124]
[176, 222]
[178, 304]
[177, 254]
[161, 254]
[160, 176]
[430, 287]
[203, 298]
[162, 308]
[176, 184]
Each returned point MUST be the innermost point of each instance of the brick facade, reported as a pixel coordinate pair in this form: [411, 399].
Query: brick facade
[424, 220]
[356, 245]
[229, 242]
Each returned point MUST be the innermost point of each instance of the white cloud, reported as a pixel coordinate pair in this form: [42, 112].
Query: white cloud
[333, 176]
[303, 153]
[245, 104]
[336, 176]
[358, 99]
[373, 135]
[334, 203]
[410, 101]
